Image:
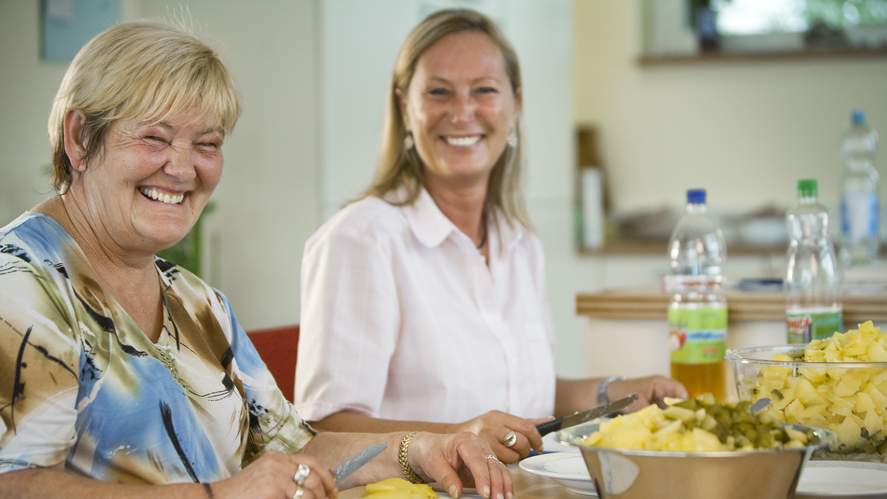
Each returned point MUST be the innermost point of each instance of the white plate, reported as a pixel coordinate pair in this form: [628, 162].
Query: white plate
[842, 479]
[550, 444]
[567, 468]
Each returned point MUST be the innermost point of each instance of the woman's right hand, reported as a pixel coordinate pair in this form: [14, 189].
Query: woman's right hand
[271, 477]
[494, 427]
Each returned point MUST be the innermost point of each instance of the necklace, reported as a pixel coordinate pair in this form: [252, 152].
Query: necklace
[483, 239]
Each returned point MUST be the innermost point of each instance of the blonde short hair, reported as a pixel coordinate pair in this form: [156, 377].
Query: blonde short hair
[143, 71]
[402, 168]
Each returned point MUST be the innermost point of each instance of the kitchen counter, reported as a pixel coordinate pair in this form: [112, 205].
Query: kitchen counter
[628, 334]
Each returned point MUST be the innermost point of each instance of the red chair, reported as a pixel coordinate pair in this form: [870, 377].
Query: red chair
[279, 348]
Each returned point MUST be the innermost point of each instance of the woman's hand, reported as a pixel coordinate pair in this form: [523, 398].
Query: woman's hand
[496, 427]
[650, 390]
[272, 477]
[458, 459]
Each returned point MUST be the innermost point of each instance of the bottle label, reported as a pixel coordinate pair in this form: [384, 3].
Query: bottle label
[860, 216]
[698, 333]
[802, 326]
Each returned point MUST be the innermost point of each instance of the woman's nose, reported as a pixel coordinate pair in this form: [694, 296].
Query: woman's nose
[180, 163]
[463, 107]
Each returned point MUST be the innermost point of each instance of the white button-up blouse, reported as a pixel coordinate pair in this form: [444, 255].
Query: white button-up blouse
[403, 319]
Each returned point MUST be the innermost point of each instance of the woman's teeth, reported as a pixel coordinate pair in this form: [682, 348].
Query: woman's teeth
[462, 141]
[158, 195]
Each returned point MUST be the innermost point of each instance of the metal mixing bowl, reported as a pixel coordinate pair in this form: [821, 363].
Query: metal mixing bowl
[630, 474]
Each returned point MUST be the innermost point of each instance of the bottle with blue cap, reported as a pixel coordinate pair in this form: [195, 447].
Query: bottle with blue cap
[812, 277]
[697, 312]
[860, 200]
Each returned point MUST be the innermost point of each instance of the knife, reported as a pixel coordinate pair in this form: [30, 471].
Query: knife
[581, 417]
[351, 464]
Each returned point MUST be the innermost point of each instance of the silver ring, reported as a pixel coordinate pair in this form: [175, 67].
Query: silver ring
[299, 493]
[510, 439]
[492, 458]
[301, 475]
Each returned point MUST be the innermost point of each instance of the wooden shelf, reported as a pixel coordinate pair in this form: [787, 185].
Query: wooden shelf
[741, 306]
[646, 248]
[768, 56]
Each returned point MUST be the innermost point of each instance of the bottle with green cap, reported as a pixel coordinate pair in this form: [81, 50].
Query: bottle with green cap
[812, 276]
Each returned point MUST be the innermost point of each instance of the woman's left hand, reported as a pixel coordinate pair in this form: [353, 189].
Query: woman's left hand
[458, 459]
[650, 390]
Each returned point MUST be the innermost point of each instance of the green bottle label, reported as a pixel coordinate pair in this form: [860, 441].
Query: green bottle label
[804, 325]
[698, 334]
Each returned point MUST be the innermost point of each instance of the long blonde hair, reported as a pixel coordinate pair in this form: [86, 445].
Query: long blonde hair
[138, 70]
[399, 167]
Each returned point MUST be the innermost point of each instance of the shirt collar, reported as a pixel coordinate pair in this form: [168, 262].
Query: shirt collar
[427, 222]
[432, 227]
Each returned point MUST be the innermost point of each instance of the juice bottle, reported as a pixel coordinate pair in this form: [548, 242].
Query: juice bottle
[697, 312]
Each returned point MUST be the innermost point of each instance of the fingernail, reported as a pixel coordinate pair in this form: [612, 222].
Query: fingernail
[486, 491]
[453, 492]
[508, 495]
[499, 496]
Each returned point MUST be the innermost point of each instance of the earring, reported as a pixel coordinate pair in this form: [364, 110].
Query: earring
[512, 138]
[408, 141]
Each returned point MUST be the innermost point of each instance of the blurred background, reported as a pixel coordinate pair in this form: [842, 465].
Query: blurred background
[627, 103]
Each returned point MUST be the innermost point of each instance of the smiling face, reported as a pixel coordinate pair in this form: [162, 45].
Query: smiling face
[149, 184]
[460, 107]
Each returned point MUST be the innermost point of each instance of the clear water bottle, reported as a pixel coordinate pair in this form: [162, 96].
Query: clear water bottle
[697, 313]
[812, 277]
[860, 203]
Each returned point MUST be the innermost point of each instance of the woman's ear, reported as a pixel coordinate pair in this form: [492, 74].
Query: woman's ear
[74, 146]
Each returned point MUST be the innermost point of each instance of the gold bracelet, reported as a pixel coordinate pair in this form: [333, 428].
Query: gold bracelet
[403, 453]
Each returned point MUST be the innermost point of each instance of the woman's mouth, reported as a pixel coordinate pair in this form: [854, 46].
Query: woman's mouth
[164, 197]
[462, 141]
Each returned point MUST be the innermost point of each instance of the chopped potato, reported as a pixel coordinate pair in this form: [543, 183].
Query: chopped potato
[695, 426]
[398, 488]
[850, 402]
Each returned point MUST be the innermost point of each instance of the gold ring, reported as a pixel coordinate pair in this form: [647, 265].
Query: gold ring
[301, 475]
[510, 439]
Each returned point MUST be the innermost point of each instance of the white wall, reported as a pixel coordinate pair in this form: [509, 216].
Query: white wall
[745, 130]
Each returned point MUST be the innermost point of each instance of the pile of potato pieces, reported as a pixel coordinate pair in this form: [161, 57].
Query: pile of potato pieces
[696, 425]
[398, 488]
[852, 402]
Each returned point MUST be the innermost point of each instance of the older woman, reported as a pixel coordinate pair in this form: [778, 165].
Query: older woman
[120, 371]
[423, 304]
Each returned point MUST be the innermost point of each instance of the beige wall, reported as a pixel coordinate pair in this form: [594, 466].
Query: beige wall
[744, 130]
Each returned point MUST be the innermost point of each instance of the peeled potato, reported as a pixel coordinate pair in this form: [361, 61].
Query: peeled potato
[698, 425]
[398, 488]
[850, 402]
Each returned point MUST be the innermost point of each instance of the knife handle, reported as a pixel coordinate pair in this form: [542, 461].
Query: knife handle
[553, 425]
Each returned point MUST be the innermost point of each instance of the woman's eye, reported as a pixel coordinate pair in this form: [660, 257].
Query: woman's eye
[210, 146]
[487, 90]
[155, 139]
[438, 92]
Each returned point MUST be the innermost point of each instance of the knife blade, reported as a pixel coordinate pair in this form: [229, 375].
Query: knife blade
[582, 417]
[354, 462]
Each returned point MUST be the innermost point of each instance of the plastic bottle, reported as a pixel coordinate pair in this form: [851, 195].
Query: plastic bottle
[697, 313]
[860, 203]
[812, 277]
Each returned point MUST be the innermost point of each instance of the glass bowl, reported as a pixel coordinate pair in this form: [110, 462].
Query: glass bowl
[848, 398]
